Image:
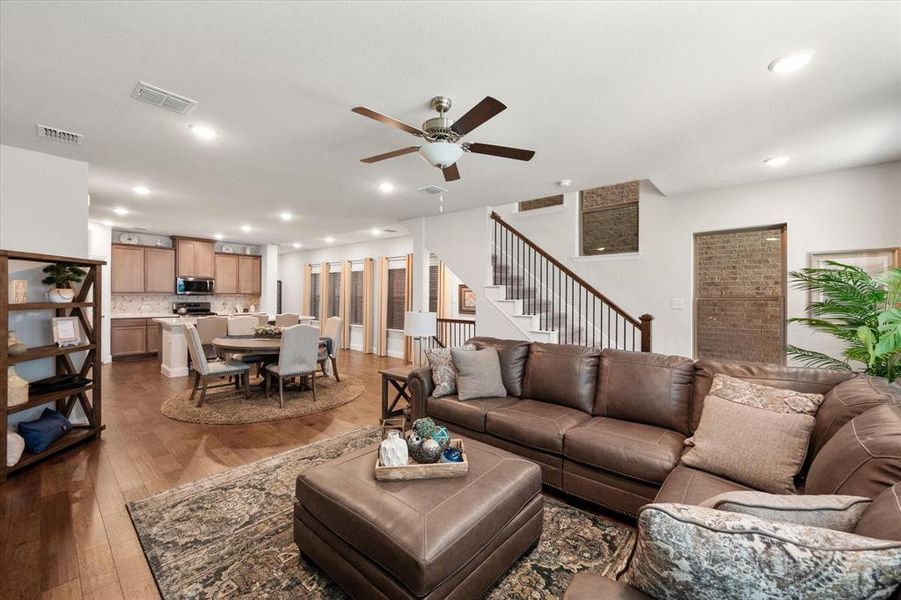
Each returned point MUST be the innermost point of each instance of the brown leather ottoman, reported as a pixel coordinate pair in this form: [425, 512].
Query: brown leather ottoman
[433, 538]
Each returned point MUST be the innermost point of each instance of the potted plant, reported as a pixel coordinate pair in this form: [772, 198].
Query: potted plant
[61, 276]
[861, 310]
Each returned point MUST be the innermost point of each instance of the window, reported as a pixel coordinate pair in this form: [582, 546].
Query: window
[315, 291]
[433, 288]
[541, 202]
[356, 297]
[397, 283]
[334, 294]
[609, 219]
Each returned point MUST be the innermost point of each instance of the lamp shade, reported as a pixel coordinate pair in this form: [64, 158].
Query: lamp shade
[420, 324]
[440, 154]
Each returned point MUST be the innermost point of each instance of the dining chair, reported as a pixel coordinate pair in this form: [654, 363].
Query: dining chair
[210, 328]
[286, 320]
[243, 325]
[331, 330]
[297, 358]
[204, 369]
[263, 319]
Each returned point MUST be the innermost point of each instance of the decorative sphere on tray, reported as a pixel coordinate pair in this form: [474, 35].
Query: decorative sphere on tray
[423, 451]
[424, 428]
[451, 455]
[442, 436]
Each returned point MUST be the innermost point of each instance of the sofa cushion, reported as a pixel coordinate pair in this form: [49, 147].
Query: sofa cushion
[534, 424]
[636, 450]
[478, 374]
[646, 388]
[844, 402]
[692, 486]
[882, 519]
[561, 374]
[817, 381]
[862, 458]
[839, 513]
[466, 413]
[513, 355]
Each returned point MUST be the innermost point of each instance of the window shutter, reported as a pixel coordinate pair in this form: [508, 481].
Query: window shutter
[356, 297]
[314, 294]
[396, 298]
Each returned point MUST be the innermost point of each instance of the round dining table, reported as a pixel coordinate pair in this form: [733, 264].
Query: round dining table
[265, 346]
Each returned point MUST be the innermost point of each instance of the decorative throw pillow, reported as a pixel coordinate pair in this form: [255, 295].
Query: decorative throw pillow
[478, 374]
[689, 552]
[753, 434]
[839, 513]
[41, 433]
[444, 373]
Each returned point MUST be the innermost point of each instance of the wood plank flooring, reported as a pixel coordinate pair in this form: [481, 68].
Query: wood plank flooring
[64, 529]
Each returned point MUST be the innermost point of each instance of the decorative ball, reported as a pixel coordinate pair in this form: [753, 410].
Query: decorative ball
[424, 427]
[413, 441]
[442, 436]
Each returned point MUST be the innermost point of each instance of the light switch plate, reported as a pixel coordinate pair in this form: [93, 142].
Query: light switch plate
[678, 303]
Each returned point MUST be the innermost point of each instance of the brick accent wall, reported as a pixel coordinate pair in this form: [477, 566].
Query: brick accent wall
[609, 217]
[740, 295]
[541, 202]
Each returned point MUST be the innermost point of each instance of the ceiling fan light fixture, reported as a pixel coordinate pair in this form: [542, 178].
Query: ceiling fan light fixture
[441, 154]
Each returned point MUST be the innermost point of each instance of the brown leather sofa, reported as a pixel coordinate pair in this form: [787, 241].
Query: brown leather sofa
[609, 426]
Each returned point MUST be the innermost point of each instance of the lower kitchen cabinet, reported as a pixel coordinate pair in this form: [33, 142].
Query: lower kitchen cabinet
[134, 337]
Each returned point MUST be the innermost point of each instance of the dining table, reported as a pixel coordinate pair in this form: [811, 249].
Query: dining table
[268, 346]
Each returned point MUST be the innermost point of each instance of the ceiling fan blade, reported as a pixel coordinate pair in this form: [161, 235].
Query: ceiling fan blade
[368, 112]
[388, 155]
[478, 114]
[502, 151]
[451, 173]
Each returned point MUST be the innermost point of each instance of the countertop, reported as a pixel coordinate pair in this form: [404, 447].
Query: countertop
[163, 315]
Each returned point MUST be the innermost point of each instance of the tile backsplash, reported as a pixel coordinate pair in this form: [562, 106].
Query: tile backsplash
[162, 304]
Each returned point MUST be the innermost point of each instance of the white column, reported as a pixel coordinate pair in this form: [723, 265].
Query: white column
[269, 276]
[99, 247]
[420, 264]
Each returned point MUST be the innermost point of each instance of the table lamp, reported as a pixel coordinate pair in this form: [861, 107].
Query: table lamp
[419, 325]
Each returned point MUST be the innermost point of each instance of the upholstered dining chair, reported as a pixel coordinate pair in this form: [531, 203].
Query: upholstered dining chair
[242, 325]
[210, 328]
[262, 319]
[204, 369]
[297, 358]
[286, 319]
[331, 330]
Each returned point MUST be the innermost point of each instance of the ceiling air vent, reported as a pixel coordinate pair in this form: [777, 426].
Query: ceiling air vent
[432, 189]
[58, 135]
[163, 98]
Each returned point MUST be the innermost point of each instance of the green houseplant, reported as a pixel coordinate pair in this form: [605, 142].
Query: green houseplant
[61, 276]
[861, 310]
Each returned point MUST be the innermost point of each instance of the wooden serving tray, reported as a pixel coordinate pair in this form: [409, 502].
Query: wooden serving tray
[414, 470]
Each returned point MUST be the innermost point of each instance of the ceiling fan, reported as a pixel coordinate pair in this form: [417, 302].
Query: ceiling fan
[442, 134]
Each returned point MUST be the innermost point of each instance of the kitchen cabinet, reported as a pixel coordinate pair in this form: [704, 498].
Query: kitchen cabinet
[134, 337]
[154, 337]
[249, 275]
[226, 274]
[159, 270]
[127, 269]
[195, 258]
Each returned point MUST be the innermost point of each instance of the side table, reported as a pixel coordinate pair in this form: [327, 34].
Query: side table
[397, 377]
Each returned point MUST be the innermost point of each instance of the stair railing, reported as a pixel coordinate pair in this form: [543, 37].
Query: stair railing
[564, 302]
[452, 332]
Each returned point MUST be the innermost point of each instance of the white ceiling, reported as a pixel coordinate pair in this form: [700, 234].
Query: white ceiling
[678, 93]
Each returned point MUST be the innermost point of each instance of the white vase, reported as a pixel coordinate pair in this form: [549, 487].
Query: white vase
[61, 295]
[393, 450]
[16, 387]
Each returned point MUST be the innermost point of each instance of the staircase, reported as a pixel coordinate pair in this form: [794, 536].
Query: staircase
[547, 302]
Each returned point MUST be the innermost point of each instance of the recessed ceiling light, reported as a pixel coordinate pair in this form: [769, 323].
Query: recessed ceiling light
[296, 244]
[772, 239]
[107, 223]
[375, 231]
[776, 161]
[245, 228]
[121, 211]
[386, 187]
[329, 240]
[218, 236]
[791, 62]
[285, 216]
[601, 249]
[564, 182]
[203, 132]
[140, 190]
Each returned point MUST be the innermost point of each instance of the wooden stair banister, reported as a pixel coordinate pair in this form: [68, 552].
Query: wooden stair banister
[563, 300]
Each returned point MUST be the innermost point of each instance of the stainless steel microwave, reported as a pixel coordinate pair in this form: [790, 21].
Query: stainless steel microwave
[193, 286]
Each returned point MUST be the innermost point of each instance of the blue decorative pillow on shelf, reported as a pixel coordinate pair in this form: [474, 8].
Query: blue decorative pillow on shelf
[40, 434]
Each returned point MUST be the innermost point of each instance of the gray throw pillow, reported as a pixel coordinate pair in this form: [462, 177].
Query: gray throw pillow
[478, 374]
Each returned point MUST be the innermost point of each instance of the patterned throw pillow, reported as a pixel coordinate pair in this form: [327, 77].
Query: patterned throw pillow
[839, 513]
[689, 552]
[753, 434]
[444, 373]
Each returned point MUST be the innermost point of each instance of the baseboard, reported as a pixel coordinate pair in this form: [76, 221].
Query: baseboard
[177, 372]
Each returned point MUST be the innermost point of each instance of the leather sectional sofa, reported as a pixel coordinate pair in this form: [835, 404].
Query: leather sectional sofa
[609, 426]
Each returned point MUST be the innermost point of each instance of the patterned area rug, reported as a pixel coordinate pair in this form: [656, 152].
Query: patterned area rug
[231, 535]
[227, 406]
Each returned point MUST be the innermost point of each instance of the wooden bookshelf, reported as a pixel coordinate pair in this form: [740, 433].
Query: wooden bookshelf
[86, 307]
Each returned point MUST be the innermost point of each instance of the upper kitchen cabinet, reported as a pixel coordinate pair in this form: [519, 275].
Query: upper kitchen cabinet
[194, 258]
[127, 269]
[249, 275]
[226, 274]
[238, 274]
[159, 270]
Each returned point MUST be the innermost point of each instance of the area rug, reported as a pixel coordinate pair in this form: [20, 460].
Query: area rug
[227, 406]
[231, 535]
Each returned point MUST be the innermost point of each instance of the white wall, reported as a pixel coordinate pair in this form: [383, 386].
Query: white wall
[840, 210]
[99, 240]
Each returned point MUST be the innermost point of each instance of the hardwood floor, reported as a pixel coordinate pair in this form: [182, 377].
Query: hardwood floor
[64, 529]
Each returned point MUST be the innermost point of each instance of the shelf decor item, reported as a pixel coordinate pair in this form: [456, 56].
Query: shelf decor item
[437, 470]
[65, 331]
[17, 291]
[61, 276]
[16, 387]
[14, 346]
[41, 433]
